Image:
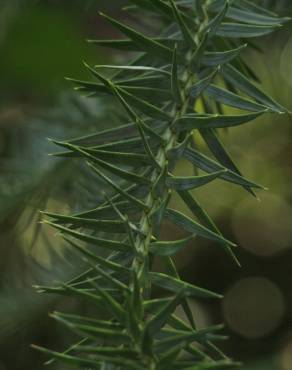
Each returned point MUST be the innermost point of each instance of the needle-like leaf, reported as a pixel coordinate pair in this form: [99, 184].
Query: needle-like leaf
[193, 227]
[152, 46]
[189, 39]
[103, 243]
[169, 248]
[174, 285]
[191, 182]
[175, 84]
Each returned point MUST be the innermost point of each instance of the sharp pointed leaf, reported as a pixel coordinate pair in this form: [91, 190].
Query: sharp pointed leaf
[238, 30]
[102, 243]
[169, 248]
[193, 121]
[187, 34]
[238, 80]
[175, 285]
[217, 148]
[209, 165]
[146, 43]
[204, 218]
[228, 98]
[216, 58]
[191, 182]
[193, 227]
[175, 84]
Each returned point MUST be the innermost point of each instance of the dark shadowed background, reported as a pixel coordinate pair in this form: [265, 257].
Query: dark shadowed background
[41, 42]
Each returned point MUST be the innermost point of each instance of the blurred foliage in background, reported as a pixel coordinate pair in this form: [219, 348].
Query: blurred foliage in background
[43, 41]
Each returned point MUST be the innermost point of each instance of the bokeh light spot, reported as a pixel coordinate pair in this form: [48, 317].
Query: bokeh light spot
[263, 228]
[253, 307]
[285, 359]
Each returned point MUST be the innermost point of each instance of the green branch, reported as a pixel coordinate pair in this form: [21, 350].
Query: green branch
[197, 58]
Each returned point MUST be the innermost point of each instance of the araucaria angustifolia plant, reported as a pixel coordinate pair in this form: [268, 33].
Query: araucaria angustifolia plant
[180, 81]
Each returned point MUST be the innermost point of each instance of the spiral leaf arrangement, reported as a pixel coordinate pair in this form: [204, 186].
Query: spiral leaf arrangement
[180, 81]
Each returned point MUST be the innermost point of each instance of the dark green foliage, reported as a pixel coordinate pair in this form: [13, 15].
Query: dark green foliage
[195, 62]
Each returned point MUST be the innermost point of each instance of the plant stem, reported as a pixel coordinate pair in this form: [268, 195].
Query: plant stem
[141, 263]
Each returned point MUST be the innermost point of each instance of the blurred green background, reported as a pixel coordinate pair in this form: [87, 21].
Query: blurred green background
[43, 41]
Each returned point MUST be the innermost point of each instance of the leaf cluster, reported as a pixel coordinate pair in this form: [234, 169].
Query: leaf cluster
[186, 79]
